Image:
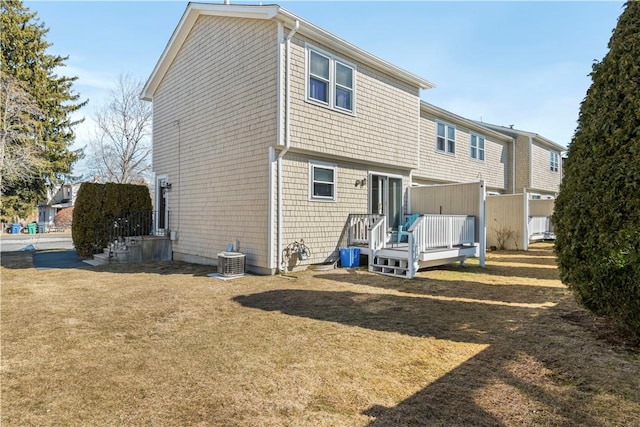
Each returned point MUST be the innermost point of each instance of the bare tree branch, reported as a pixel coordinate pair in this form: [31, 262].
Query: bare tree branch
[121, 150]
[21, 157]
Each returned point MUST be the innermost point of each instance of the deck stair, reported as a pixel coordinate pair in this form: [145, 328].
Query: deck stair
[136, 249]
[391, 263]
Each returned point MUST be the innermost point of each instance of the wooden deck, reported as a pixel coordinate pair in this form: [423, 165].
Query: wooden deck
[432, 240]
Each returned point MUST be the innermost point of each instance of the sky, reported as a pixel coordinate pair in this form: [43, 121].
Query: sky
[517, 63]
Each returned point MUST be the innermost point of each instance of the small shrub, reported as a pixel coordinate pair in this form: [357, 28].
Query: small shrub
[504, 234]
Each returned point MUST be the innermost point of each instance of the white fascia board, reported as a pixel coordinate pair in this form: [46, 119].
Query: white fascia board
[441, 113]
[548, 142]
[189, 17]
[351, 51]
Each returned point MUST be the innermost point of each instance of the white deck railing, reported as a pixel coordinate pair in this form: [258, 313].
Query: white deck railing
[359, 226]
[446, 231]
[539, 225]
[378, 238]
[429, 231]
[416, 240]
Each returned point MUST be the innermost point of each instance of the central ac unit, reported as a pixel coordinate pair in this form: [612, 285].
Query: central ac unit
[231, 264]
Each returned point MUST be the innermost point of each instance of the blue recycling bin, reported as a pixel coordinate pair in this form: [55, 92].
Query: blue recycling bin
[350, 257]
[15, 228]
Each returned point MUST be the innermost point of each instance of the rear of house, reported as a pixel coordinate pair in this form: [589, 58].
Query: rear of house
[268, 129]
[354, 141]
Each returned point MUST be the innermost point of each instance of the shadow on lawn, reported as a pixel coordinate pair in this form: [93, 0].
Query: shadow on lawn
[501, 268]
[511, 293]
[513, 333]
[544, 365]
[68, 259]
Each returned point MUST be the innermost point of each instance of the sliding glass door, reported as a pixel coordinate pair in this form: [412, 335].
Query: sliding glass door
[385, 198]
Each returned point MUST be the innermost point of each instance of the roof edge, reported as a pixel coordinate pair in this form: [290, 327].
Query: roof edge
[182, 30]
[514, 131]
[472, 124]
[343, 46]
[195, 10]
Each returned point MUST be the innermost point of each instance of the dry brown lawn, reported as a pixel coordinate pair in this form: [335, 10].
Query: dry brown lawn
[165, 345]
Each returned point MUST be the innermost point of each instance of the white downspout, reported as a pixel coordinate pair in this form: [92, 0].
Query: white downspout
[530, 185]
[482, 223]
[513, 170]
[287, 134]
[525, 208]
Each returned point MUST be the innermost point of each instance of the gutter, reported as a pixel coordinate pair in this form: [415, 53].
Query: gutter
[287, 134]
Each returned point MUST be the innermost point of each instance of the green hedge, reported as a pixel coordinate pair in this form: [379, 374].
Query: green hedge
[98, 205]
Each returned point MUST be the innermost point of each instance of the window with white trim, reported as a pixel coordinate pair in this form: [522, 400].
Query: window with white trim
[477, 147]
[330, 80]
[553, 163]
[445, 138]
[322, 181]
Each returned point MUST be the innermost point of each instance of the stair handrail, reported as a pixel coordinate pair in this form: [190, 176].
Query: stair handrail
[377, 238]
[119, 228]
[417, 244]
[359, 226]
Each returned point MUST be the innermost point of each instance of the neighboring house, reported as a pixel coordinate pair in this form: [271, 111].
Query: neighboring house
[454, 149]
[537, 177]
[538, 162]
[58, 198]
[523, 165]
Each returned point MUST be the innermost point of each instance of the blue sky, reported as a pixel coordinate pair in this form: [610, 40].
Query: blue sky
[509, 63]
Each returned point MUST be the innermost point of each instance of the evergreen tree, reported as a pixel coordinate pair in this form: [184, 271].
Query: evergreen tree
[24, 58]
[597, 213]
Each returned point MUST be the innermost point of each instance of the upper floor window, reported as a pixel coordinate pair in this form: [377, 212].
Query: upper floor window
[446, 138]
[553, 164]
[330, 80]
[322, 181]
[477, 147]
